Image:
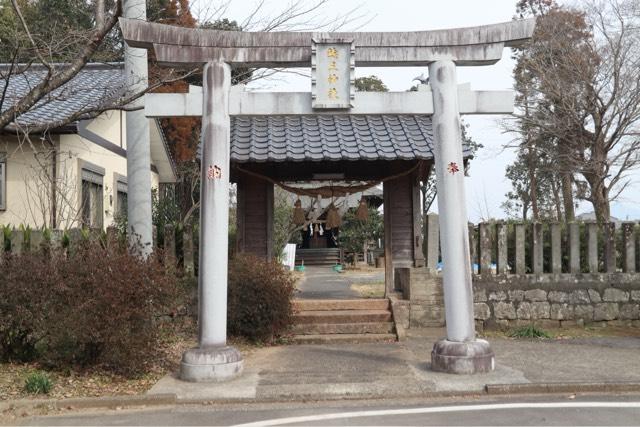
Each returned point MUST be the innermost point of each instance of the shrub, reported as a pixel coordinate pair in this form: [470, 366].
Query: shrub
[259, 298]
[38, 383]
[92, 306]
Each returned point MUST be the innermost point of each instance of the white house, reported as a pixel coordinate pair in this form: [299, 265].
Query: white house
[75, 174]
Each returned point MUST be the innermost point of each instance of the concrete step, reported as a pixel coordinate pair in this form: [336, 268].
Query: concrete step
[343, 328]
[327, 305]
[325, 256]
[343, 338]
[318, 262]
[342, 316]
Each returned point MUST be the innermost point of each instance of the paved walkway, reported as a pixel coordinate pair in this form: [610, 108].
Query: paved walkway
[402, 369]
[322, 282]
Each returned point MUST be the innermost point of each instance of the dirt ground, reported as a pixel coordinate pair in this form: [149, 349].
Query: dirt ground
[93, 383]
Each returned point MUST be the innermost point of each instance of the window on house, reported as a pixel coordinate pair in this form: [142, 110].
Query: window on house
[121, 199]
[3, 182]
[92, 199]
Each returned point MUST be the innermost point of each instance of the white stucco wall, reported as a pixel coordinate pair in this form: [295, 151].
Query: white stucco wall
[25, 189]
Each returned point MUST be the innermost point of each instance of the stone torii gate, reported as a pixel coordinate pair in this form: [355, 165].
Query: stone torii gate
[332, 58]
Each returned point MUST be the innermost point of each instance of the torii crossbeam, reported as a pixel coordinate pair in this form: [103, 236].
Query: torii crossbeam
[332, 58]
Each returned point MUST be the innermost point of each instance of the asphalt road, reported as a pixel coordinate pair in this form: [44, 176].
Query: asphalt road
[542, 410]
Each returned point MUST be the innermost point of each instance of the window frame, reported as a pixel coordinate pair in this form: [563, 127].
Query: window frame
[92, 175]
[120, 185]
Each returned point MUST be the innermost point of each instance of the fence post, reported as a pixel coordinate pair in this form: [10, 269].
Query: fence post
[610, 254]
[629, 247]
[432, 246]
[592, 250]
[75, 237]
[56, 239]
[169, 246]
[154, 236]
[501, 233]
[537, 248]
[35, 240]
[94, 234]
[556, 248]
[485, 247]
[187, 248]
[574, 247]
[112, 236]
[473, 247]
[520, 259]
[17, 241]
[2, 243]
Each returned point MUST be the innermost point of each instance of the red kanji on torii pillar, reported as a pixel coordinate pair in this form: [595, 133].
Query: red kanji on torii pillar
[442, 51]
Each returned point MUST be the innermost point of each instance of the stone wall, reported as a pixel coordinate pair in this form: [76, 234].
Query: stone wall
[558, 300]
[550, 274]
[505, 301]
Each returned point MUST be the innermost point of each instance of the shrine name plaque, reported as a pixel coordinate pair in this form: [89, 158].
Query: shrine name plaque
[332, 73]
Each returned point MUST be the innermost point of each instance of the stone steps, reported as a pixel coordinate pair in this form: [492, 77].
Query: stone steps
[328, 305]
[344, 338]
[342, 321]
[344, 328]
[343, 316]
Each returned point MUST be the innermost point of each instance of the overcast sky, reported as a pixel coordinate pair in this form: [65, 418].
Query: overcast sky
[486, 186]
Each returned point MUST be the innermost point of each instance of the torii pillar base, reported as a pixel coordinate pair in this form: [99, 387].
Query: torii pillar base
[213, 364]
[471, 357]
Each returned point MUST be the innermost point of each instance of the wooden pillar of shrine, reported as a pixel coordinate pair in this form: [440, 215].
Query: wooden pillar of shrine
[402, 226]
[255, 216]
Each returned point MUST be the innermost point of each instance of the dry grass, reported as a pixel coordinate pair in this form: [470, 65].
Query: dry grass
[361, 268]
[93, 383]
[575, 332]
[369, 290]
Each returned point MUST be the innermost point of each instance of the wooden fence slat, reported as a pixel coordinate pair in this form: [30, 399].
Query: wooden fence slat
[485, 247]
[610, 253]
[521, 267]
[169, 251]
[1, 245]
[592, 247]
[501, 235]
[112, 236]
[17, 242]
[537, 248]
[473, 246]
[56, 239]
[629, 247]
[36, 240]
[556, 248]
[574, 247]
[187, 245]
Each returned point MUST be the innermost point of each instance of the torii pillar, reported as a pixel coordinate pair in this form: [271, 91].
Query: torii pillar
[460, 352]
[213, 359]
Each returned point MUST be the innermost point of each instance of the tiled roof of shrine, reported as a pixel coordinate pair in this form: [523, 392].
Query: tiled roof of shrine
[331, 138]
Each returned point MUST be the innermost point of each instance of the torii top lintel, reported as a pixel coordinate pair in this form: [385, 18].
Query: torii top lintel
[186, 47]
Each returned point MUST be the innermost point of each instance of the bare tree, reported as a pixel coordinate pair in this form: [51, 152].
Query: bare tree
[49, 55]
[581, 108]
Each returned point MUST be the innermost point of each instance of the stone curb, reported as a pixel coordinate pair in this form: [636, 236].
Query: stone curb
[578, 387]
[113, 402]
[92, 402]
